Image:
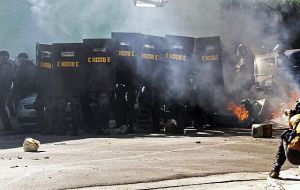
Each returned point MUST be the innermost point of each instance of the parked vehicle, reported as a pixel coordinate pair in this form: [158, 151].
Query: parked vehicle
[26, 113]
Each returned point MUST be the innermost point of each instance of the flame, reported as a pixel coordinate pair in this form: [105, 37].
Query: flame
[239, 111]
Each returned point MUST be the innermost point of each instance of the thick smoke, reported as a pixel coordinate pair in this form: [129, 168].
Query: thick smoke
[26, 22]
[255, 23]
[49, 21]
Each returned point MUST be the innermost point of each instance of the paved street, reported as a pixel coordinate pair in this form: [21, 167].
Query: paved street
[68, 162]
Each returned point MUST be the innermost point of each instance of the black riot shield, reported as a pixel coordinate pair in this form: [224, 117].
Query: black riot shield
[44, 69]
[150, 71]
[126, 50]
[178, 57]
[207, 79]
[98, 66]
[44, 83]
[151, 59]
[207, 61]
[68, 70]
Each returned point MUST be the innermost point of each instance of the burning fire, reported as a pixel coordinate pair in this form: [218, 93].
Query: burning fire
[239, 111]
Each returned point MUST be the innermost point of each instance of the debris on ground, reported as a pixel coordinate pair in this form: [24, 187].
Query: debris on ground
[14, 166]
[263, 130]
[60, 144]
[116, 131]
[31, 145]
[19, 157]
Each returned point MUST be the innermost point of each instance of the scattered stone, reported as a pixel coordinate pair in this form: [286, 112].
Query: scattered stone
[19, 157]
[31, 145]
[60, 144]
[14, 166]
[47, 157]
[36, 159]
[198, 142]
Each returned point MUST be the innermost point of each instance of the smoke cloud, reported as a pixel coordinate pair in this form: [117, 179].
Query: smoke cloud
[48, 21]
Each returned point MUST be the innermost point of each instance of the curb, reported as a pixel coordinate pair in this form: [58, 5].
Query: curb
[289, 180]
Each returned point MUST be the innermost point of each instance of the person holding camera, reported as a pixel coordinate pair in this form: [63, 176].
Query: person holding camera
[289, 146]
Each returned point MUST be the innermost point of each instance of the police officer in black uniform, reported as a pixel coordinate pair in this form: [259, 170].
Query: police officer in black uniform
[6, 79]
[44, 100]
[11, 99]
[25, 84]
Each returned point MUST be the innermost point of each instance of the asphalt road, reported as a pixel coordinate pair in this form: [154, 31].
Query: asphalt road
[86, 162]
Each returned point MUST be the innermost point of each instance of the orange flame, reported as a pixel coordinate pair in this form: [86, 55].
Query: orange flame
[239, 111]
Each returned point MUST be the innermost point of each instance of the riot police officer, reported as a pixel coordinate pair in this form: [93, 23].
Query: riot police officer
[6, 78]
[25, 77]
[245, 66]
[44, 84]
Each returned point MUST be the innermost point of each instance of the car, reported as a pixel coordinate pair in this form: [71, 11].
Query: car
[26, 113]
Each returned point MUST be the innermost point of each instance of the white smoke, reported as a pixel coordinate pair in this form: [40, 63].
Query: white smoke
[97, 18]
[41, 10]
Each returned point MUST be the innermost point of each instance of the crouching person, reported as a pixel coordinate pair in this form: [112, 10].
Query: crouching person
[289, 146]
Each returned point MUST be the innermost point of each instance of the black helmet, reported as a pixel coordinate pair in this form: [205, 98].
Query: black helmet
[297, 105]
[23, 56]
[4, 54]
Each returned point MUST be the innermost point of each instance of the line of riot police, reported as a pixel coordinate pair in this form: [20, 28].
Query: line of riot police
[171, 81]
[17, 81]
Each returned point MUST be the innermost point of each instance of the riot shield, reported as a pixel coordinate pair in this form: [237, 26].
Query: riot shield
[44, 68]
[150, 71]
[207, 60]
[68, 70]
[98, 66]
[208, 77]
[178, 57]
[126, 47]
[151, 59]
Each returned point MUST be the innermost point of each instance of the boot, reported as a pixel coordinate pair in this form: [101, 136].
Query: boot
[275, 173]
